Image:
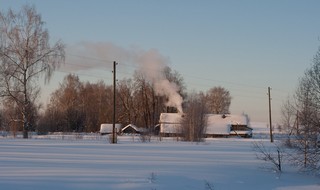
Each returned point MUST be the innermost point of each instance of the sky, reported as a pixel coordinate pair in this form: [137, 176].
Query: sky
[244, 46]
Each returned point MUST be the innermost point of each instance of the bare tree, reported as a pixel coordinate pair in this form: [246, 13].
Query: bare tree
[273, 155]
[303, 118]
[288, 116]
[194, 122]
[143, 94]
[306, 154]
[11, 116]
[127, 114]
[96, 105]
[218, 100]
[25, 55]
[66, 102]
[78, 106]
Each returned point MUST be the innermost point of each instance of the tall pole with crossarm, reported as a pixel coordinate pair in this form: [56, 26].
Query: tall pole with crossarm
[270, 120]
[114, 140]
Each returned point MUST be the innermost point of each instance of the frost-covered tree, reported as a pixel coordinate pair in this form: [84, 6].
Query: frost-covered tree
[25, 56]
[305, 129]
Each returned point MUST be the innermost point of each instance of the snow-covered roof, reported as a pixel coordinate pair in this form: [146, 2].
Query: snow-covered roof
[221, 123]
[216, 126]
[216, 123]
[107, 128]
[172, 118]
[170, 122]
[228, 119]
[138, 129]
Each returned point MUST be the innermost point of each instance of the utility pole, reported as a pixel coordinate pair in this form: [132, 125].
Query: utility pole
[114, 105]
[270, 120]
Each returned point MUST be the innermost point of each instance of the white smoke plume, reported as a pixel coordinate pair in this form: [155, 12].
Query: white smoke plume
[150, 63]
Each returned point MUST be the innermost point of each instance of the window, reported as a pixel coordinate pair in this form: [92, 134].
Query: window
[239, 128]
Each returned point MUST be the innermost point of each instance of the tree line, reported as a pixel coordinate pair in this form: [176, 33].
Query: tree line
[83, 106]
[78, 106]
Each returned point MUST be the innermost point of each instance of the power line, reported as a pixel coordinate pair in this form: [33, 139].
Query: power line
[88, 75]
[227, 82]
[137, 66]
[91, 58]
[248, 88]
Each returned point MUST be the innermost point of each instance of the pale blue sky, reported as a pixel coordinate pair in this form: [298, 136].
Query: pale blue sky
[242, 45]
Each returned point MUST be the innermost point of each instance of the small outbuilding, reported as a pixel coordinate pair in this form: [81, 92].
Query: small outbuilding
[107, 128]
[132, 130]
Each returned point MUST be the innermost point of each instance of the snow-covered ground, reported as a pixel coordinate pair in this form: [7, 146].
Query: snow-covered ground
[88, 163]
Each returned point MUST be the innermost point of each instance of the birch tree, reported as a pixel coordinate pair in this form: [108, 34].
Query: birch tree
[302, 117]
[25, 56]
[308, 114]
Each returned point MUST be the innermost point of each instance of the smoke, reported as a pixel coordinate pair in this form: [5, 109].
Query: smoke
[150, 63]
[169, 89]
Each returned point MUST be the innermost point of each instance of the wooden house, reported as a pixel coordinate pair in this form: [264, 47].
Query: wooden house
[218, 125]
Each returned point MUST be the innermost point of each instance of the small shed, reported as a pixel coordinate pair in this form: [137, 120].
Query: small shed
[107, 128]
[132, 130]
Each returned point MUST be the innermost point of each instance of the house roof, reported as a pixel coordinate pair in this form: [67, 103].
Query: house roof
[227, 119]
[107, 127]
[170, 122]
[171, 118]
[138, 129]
[216, 123]
[220, 123]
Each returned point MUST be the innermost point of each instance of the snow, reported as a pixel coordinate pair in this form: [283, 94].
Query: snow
[170, 122]
[216, 124]
[106, 128]
[88, 163]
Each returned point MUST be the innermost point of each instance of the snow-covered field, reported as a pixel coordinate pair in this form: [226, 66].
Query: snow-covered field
[95, 164]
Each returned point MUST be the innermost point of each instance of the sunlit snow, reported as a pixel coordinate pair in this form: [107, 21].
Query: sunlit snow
[90, 162]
